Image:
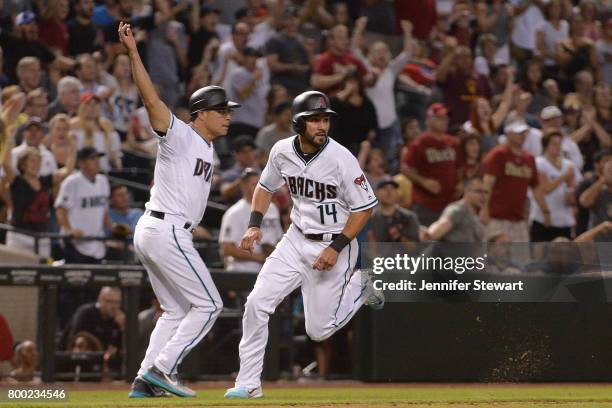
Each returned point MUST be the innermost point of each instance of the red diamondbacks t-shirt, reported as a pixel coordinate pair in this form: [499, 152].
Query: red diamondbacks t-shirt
[436, 159]
[327, 63]
[514, 173]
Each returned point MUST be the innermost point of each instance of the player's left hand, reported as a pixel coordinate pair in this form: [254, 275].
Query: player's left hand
[250, 237]
[326, 259]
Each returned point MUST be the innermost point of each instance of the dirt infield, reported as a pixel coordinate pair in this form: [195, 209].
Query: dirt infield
[345, 394]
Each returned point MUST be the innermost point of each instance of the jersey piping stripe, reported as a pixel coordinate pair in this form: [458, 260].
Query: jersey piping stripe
[314, 157]
[207, 292]
[365, 207]
[267, 188]
[361, 293]
[201, 137]
[171, 121]
[346, 281]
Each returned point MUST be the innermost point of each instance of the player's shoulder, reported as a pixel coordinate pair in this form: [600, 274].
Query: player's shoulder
[177, 125]
[339, 153]
[283, 146]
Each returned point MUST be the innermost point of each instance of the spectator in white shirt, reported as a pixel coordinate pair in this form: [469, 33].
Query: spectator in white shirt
[236, 221]
[549, 33]
[551, 118]
[381, 92]
[249, 86]
[558, 178]
[33, 135]
[528, 19]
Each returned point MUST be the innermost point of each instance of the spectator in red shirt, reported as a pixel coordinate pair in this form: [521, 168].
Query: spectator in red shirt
[459, 81]
[6, 340]
[52, 28]
[430, 164]
[509, 172]
[335, 65]
[460, 22]
[422, 14]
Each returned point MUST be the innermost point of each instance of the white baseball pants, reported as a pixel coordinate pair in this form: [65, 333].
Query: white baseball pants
[331, 297]
[185, 290]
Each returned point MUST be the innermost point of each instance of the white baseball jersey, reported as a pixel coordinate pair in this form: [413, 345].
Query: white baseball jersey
[183, 173]
[325, 190]
[86, 202]
[48, 165]
[236, 220]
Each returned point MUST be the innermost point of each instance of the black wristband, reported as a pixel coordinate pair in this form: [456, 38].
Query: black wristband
[256, 219]
[340, 242]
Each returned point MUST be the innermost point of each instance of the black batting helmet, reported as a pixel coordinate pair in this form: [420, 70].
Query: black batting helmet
[306, 104]
[209, 97]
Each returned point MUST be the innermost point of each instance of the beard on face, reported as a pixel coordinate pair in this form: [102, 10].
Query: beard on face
[311, 138]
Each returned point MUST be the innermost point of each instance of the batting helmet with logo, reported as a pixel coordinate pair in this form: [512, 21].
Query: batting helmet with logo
[306, 104]
[209, 97]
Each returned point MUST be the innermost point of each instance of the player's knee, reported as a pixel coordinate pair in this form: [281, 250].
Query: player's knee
[256, 302]
[174, 313]
[318, 332]
[218, 308]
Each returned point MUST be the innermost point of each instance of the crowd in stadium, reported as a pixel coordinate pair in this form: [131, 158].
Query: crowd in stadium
[474, 120]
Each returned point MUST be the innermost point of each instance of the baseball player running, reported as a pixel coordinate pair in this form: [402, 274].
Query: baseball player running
[163, 240]
[332, 201]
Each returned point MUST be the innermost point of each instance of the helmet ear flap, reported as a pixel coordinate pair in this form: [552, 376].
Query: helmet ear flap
[299, 125]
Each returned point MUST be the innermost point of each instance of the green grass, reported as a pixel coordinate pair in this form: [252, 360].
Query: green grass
[413, 396]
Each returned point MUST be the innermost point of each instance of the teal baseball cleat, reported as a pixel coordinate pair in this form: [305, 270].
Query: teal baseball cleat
[375, 298]
[142, 389]
[168, 382]
[243, 392]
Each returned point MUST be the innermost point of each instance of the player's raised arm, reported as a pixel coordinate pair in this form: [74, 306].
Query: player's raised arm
[159, 114]
[261, 201]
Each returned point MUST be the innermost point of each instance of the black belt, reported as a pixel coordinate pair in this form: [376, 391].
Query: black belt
[161, 216]
[317, 237]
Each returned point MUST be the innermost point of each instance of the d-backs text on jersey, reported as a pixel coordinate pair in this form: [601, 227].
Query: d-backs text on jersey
[203, 167]
[305, 187]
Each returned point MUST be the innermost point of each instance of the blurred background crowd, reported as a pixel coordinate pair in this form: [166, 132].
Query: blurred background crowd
[474, 120]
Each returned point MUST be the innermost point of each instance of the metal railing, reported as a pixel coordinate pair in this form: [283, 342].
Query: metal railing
[124, 241]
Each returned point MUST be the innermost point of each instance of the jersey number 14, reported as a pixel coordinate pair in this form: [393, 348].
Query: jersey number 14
[328, 209]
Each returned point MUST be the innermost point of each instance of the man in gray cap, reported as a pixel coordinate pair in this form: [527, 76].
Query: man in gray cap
[163, 236]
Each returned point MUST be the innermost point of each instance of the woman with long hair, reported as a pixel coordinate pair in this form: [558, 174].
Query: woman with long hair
[589, 13]
[356, 120]
[484, 122]
[91, 129]
[57, 140]
[469, 164]
[532, 83]
[276, 95]
[125, 98]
